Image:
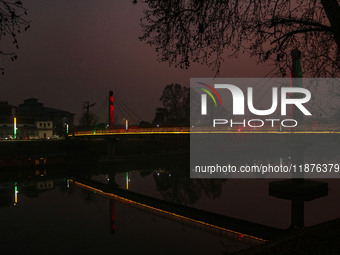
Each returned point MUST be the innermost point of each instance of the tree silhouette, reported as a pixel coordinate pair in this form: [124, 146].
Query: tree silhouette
[202, 30]
[175, 185]
[175, 105]
[87, 120]
[12, 21]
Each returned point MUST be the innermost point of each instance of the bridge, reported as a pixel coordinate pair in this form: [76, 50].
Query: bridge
[114, 103]
[306, 129]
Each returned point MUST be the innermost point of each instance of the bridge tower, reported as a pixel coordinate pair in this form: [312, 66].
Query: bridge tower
[296, 64]
[112, 216]
[296, 72]
[111, 110]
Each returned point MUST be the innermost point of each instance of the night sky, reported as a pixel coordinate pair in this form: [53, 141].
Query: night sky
[79, 50]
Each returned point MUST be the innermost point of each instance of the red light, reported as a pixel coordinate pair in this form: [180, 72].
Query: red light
[111, 113]
[113, 215]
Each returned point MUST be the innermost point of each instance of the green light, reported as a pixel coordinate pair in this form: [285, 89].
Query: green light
[15, 128]
[15, 193]
[299, 68]
[127, 180]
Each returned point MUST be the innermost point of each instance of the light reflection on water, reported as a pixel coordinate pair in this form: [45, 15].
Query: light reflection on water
[246, 199]
[60, 218]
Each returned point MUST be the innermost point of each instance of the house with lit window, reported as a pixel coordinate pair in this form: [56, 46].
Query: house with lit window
[33, 120]
[32, 111]
[44, 129]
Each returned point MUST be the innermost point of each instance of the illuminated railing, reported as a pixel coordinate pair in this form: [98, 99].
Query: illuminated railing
[122, 131]
[231, 233]
[306, 128]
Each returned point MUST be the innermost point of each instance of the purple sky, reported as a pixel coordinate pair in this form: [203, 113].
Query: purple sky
[78, 50]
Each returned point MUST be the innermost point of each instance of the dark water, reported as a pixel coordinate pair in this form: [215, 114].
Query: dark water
[53, 216]
[79, 223]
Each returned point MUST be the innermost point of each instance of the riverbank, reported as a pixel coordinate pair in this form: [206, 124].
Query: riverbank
[24, 153]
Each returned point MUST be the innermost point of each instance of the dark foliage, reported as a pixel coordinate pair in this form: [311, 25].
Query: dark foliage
[209, 31]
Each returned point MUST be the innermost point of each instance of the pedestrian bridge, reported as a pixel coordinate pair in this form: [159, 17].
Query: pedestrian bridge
[305, 129]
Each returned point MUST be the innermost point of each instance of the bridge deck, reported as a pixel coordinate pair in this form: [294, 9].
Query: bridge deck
[321, 129]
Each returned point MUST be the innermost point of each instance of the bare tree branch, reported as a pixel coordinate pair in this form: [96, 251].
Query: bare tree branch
[210, 31]
[12, 21]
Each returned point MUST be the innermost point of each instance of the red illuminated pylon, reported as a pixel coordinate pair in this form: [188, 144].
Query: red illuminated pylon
[111, 110]
[112, 216]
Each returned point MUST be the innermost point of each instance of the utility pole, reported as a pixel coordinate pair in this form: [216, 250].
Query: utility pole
[87, 106]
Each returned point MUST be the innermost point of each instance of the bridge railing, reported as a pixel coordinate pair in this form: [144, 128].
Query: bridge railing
[135, 130]
[187, 130]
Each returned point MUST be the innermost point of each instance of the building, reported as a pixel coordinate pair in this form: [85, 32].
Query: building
[6, 119]
[33, 120]
[44, 129]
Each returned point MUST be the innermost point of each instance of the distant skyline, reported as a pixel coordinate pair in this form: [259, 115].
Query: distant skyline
[78, 51]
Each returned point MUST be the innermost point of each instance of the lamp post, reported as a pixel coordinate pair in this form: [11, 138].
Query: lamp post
[15, 128]
[15, 193]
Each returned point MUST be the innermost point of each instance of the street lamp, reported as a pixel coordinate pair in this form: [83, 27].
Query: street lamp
[15, 128]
